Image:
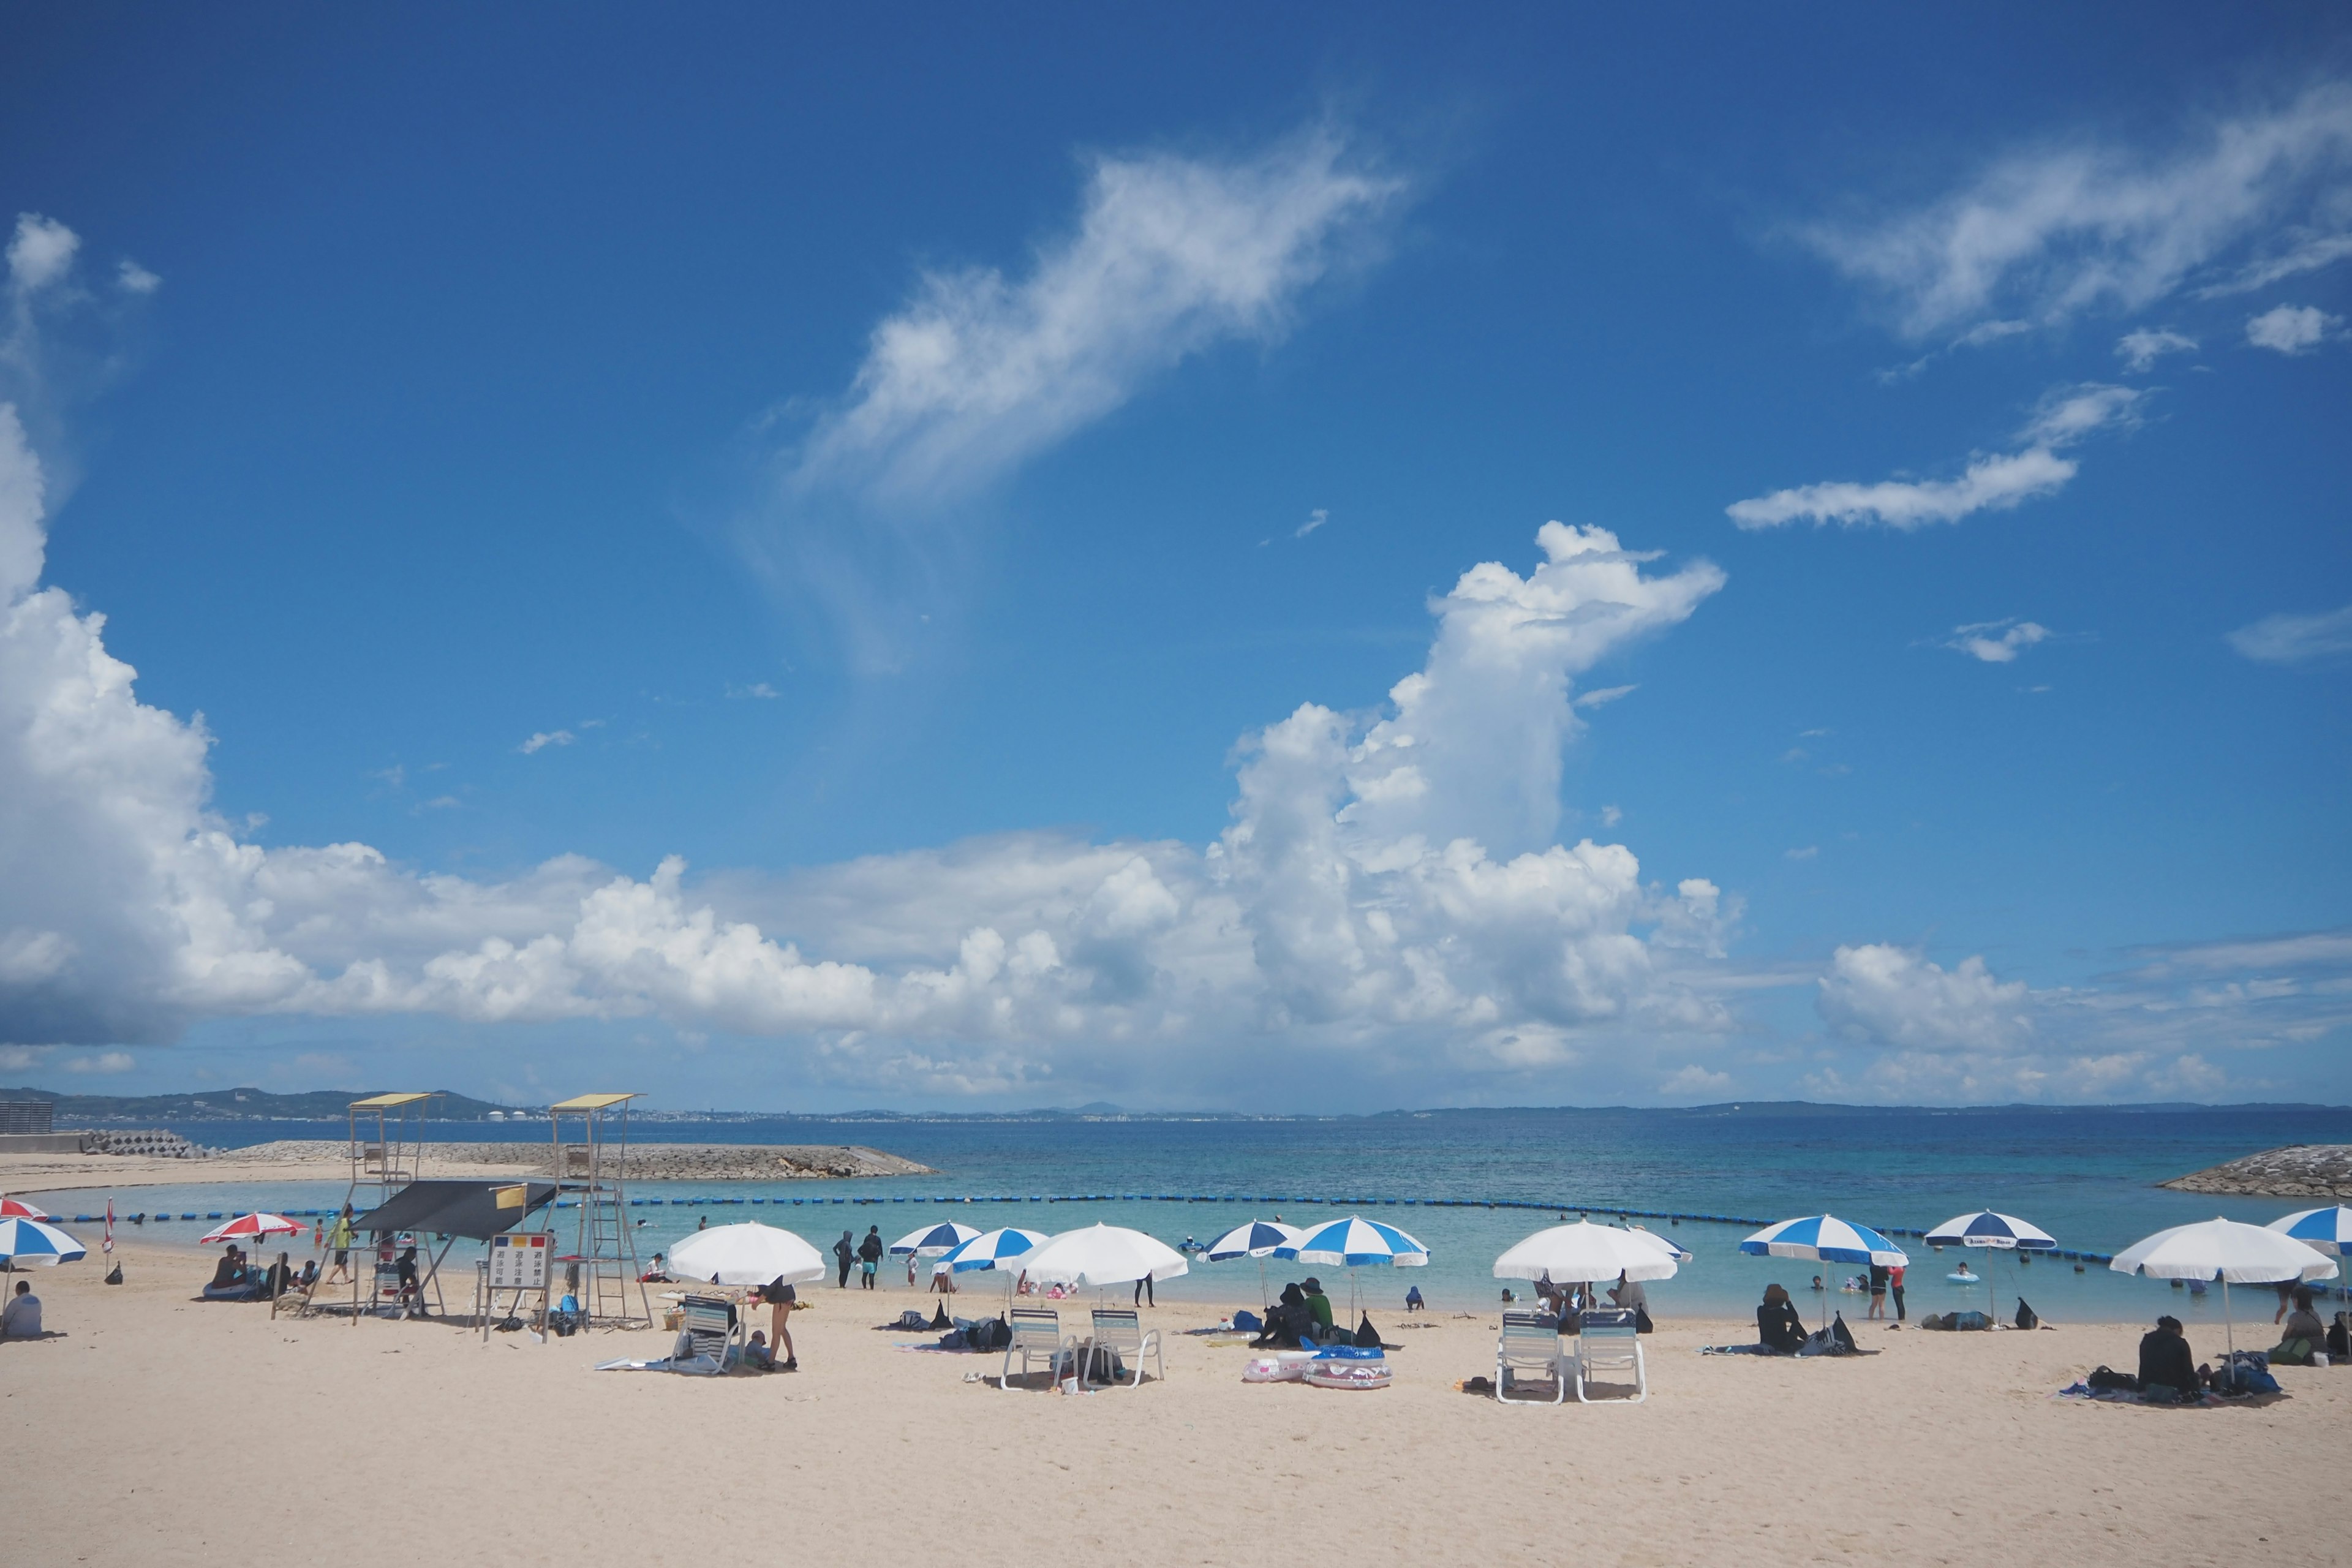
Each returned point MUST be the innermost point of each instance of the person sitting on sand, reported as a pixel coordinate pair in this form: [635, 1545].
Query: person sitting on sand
[2165, 1362]
[278, 1280]
[1318, 1307]
[655, 1272]
[309, 1275]
[1286, 1321]
[229, 1273]
[1412, 1302]
[21, 1318]
[1778, 1327]
[757, 1355]
[2303, 1334]
[943, 1282]
[411, 1290]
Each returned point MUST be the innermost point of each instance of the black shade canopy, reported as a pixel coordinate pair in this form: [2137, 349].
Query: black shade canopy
[469, 1209]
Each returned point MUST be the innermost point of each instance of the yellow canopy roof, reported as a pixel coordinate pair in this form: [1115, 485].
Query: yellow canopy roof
[386, 1102]
[592, 1101]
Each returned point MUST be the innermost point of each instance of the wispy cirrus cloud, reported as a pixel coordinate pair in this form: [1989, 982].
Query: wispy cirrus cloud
[2051, 232]
[2295, 639]
[1992, 482]
[1997, 642]
[2141, 349]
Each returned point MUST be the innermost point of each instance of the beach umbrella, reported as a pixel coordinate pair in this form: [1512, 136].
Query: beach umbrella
[1356, 1242]
[945, 1236]
[1257, 1238]
[2321, 1230]
[2226, 1249]
[1673, 1248]
[18, 1208]
[989, 1249]
[1986, 1228]
[746, 1254]
[1585, 1252]
[1825, 1239]
[30, 1241]
[1101, 1256]
[251, 1228]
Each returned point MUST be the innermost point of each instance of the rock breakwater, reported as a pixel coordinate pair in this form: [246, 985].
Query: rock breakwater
[2298, 1171]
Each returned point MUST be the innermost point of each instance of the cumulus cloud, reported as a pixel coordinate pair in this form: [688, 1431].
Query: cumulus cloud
[2290, 329]
[1389, 887]
[1997, 482]
[1997, 642]
[2143, 346]
[540, 740]
[133, 278]
[2295, 639]
[2061, 229]
[41, 252]
[1896, 996]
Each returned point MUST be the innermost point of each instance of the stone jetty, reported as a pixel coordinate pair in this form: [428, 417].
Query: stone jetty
[646, 1161]
[2299, 1171]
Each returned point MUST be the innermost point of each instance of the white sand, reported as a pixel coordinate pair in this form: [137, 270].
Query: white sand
[162, 1430]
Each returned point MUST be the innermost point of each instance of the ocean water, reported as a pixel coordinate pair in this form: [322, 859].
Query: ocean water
[2087, 1176]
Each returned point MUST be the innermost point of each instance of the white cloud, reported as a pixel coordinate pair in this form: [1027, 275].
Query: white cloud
[104, 1062]
[1171, 255]
[1605, 695]
[759, 690]
[1695, 1079]
[2290, 329]
[1997, 642]
[1992, 483]
[2308, 253]
[1807, 853]
[1894, 996]
[2141, 348]
[540, 740]
[1387, 894]
[133, 278]
[40, 253]
[1315, 520]
[2050, 233]
[2295, 639]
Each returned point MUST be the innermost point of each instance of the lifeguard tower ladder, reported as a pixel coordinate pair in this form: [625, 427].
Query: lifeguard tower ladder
[386, 1150]
[591, 1169]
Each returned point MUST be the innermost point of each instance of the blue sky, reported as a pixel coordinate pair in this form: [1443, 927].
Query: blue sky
[962, 496]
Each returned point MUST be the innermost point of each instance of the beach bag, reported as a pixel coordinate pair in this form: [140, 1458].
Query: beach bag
[2026, 1317]
[2106, 1378]
[114, 1276]
[1642, 1324]
[1247, 1322]
[992, 1334]
[1839, 1332]
[1367, 1335]
[954, 1340]
[2340, 1335]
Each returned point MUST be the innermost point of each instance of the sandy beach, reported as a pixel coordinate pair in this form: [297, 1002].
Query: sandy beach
[161, 1430]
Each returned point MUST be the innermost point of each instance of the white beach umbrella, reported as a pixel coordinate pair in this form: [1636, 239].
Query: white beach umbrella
[1585, 1252]
[30, 1241]
[2226, 1249]
[1103, 1255]
[747, 1254]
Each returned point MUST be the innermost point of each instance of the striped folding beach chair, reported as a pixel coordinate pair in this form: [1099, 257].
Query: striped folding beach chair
[1610, 1342]
[1036, 1331]
[1530, 1343]
[1120, 1335]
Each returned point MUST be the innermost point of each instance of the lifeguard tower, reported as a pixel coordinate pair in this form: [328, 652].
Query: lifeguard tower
[386, 1150]
[590, 1169]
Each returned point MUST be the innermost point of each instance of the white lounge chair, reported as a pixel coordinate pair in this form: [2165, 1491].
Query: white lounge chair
[1530, 1343]
[1610, 1343]
[1036, 1330]
[708, 1326]
[1120, 1334]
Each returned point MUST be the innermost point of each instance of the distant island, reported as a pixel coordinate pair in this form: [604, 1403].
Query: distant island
[251, 1104]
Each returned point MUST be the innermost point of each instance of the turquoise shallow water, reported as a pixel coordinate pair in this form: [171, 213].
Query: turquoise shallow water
[2086, 1176]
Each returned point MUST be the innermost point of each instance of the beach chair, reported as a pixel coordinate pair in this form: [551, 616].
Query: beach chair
[1530, 1343]
[708, 1326]
[1036, 1330]
[1120, 1335]
[1610, 1342]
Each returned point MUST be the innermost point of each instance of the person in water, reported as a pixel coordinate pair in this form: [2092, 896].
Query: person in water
[1778, 1327]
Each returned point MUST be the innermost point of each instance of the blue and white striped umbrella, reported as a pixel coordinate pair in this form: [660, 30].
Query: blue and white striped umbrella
[1674, 1249]
[1258, 1238]
[945, 1236]
[1826, 1238]
[994, 1249]
[1357, 1243]
[1986, 1228]
[2321, 1230]
[25, 1241]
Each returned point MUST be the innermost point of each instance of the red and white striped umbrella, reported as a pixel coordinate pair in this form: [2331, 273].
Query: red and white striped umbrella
[252, 1227]
[18, 1208]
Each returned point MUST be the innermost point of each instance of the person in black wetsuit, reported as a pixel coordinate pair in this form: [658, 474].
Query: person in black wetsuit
[1778, 1327]
[2166, 1362]
[845, 1253]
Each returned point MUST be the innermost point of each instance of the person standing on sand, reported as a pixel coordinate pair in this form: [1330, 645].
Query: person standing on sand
[1878, 1277]
[782, 1302]
[869, 1255]
[1894, 1285]
[845, 1252]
